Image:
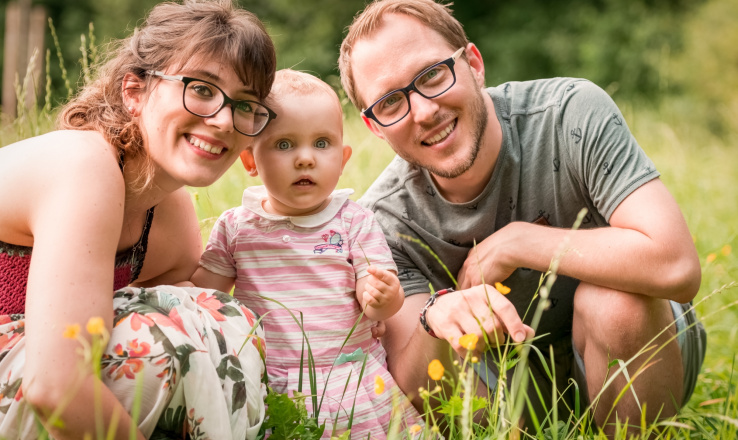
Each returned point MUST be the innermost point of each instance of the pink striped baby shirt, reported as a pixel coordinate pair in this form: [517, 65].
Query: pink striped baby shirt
[310, 265]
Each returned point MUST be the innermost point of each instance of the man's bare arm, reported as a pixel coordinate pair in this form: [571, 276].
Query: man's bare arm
[646, 250]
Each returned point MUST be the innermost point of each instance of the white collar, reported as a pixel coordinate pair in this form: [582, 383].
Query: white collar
[254, 195]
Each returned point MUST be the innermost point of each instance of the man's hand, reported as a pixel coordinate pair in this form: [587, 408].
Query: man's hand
[480, 309]
[380, 293]
[488, 261]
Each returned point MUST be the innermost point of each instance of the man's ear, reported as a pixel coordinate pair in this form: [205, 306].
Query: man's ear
[247, 157]
[346, 156]
[372, 126]
[476, 63]
[132, 90]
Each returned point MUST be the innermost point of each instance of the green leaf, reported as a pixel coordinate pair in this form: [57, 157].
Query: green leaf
[239, 395]
[223, 297]
[479, 403]
[183, 354]
[172, 419]
[158, 335]
[222, 368]
[235, 374]
[169, 349]
[221, 341]
[452, 406]
[230, 311]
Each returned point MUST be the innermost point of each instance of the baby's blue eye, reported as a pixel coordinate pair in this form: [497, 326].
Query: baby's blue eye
[284, 145]
[321, 143]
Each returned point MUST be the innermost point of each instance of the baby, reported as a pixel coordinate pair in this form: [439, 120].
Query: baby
[300, 250]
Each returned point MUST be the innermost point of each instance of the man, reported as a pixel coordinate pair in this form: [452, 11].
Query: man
[510, 167]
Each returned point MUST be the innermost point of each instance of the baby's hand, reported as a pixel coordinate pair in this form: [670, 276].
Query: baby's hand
[383, 293]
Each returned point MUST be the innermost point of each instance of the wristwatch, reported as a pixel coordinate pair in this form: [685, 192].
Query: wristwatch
[430, 302]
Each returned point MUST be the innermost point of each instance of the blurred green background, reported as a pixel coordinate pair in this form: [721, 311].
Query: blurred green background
[671, 65]
[643, 50]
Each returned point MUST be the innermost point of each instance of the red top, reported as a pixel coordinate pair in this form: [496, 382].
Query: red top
[16, 260]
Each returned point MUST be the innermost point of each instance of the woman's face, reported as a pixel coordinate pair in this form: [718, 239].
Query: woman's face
[188, 149]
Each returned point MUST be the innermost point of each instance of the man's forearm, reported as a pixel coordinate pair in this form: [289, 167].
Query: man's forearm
[409, 348]
[621, 259]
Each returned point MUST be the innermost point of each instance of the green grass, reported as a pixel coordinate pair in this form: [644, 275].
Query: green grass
[699, 170]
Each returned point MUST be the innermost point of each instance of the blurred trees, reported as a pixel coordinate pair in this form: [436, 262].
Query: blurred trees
[629, 47]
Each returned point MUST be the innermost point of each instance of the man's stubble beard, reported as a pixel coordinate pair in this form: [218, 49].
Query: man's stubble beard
[480, 116]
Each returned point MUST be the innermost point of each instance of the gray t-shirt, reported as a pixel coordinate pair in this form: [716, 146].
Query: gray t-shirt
[565, 146]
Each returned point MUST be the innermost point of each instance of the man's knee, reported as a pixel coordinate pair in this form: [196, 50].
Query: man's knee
[622, 323]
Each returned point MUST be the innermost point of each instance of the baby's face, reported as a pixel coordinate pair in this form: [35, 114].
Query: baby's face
[301, 155]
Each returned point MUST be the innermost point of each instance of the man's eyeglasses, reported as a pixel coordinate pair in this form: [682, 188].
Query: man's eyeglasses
[205, 99]
[431, 82]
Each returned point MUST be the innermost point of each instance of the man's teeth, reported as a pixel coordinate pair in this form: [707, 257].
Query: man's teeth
[442, 135]
[201, 144]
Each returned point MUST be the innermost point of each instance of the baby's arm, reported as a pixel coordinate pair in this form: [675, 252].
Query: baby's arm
[380, 293]
[210, 280]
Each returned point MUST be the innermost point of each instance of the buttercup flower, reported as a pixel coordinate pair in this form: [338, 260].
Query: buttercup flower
[710, 258]
[726, 250]
[95, 326]
[435, 369]
[415, 429]
[469, 341]
[503, 289]
[71, 331]
[378, 384]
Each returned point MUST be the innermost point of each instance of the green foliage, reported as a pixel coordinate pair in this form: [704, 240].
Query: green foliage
[625, 46]
[287, 418]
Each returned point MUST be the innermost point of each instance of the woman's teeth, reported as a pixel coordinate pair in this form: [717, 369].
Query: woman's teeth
[442, 135]
[204, 146]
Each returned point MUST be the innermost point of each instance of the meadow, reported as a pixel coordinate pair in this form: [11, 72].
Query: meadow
[698, 167]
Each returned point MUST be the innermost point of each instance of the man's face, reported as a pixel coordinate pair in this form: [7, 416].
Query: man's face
[443, 134]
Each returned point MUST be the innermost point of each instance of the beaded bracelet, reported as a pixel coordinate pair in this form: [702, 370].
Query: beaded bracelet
[430, 302]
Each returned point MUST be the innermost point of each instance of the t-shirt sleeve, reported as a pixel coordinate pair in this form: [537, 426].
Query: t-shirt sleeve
[602, 151]
[367, 242]
[218, 255]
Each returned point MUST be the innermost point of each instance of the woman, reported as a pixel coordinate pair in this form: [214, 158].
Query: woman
[80, 208]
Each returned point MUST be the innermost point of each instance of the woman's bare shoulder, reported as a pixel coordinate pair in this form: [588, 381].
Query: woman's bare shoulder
[74, 167]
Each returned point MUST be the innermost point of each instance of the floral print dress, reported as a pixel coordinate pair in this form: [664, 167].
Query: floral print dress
[197, 355]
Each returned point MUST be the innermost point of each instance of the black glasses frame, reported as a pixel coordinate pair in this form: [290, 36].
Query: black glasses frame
[450, 62]
[226, 100]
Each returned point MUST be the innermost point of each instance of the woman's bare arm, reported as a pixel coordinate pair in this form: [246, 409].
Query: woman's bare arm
[75, 215]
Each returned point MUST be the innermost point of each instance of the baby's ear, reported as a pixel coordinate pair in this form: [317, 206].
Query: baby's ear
[346, 156]
[247, 157]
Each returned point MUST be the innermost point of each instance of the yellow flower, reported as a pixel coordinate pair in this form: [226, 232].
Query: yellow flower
[710, 258]
[474, 359]
[726, 250]
[71, 331]
[435, 369]
[415, 429]
[503, 289]
[469, 341]
[95, 326]
[378, 384]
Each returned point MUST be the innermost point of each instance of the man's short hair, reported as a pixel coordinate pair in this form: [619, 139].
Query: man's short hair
[292, 82]
[435, 15]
